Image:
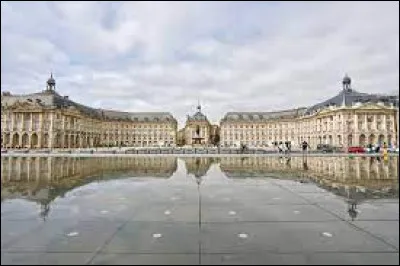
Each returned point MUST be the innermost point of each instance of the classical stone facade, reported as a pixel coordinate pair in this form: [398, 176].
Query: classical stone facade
[350, 118]
[198, 130]
[49, 120]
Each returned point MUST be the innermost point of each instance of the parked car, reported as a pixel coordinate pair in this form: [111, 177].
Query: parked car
[339, 149]
[356, 149]
[372, 148]
[325, 148]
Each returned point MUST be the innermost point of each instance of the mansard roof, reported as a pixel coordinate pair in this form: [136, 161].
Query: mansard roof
[51, 99]
[262, 116]
[349, 97]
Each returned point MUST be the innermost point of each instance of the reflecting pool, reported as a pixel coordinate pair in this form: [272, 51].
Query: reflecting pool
[199, 210]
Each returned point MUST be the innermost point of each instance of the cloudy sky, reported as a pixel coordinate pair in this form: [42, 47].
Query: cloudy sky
[232, 56]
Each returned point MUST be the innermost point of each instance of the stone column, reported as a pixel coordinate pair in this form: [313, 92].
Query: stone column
[63, 130]
[21, 129]
[108, 135]
[51, 131]
[344, 135]
[12, 128]
[40, 133]
[356, 122]
[384, 125]
[31, 125]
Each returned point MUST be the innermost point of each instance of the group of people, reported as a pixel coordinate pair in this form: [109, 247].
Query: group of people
[286, 147]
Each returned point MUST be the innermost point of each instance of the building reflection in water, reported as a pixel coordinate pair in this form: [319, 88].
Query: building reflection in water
[42, 179]
[198, 166]
[354, 178]
[370, 172]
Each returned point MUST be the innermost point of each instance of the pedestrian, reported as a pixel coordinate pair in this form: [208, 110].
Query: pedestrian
[288, 147]
[304, 146]
[385, 151]
[280, 147]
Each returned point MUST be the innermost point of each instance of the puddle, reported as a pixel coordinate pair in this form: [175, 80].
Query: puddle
[71, 234]
[243, 235]
[327, 234]
[157, 235]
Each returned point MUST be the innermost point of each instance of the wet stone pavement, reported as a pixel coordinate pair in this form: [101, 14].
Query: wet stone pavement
[199, 211]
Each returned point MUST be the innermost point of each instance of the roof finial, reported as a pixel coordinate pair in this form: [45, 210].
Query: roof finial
[51, 83]
[346, 79]
[198, 105]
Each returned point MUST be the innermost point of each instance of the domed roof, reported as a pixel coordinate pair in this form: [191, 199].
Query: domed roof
[346, 80]
[350, 97]
[198, 116]
[51, 80]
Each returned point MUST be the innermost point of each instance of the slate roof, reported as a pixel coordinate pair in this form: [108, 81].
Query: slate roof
[51, 99]
[262, 116]
[350, 97]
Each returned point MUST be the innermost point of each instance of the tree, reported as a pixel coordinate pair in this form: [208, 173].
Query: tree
[216, 140]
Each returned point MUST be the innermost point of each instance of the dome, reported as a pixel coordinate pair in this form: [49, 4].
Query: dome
[346, 80]
[51, 80]
[199, 117]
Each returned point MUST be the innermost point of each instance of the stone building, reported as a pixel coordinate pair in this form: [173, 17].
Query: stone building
[48, 120]
[197, 129]
[350, 118]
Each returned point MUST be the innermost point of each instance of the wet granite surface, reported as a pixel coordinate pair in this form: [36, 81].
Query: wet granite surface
[199, 210]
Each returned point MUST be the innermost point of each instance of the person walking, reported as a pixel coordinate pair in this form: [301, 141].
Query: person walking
[281, 148]
[288, 147]
[385, 151]
[304, 146]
